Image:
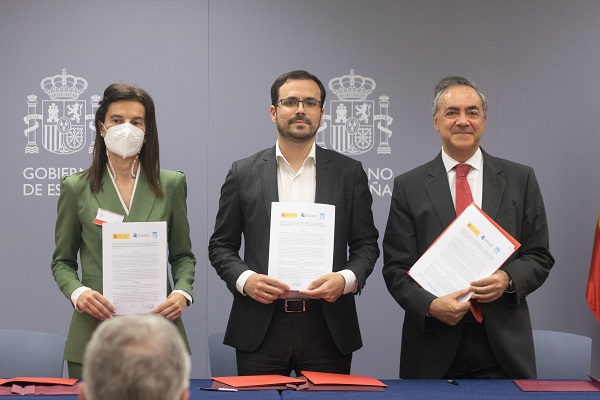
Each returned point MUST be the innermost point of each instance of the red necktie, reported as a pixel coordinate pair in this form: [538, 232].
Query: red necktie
[463, 199]
[463, 191]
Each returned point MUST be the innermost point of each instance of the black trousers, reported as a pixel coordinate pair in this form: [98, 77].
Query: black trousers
[474, 358]
[295, 341]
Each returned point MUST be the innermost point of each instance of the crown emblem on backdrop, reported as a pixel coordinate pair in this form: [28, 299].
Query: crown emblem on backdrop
[64, 86]
[354, 124]
[63, 123]
[348, 87]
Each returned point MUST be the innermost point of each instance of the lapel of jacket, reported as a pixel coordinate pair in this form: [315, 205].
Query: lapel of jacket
[493, 185]
[438, 190]
[107, 197]
[143, 200]
[267, 168]
[324, 175]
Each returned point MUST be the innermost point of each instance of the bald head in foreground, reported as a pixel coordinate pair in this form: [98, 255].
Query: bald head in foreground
[136, 357]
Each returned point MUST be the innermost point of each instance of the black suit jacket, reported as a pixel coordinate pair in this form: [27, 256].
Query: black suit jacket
[245, 208]
[421, 209]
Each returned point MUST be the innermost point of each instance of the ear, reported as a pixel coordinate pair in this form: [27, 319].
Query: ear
[435, 123]
[80, 391]
[321, 118]
[273, 113]
[185, 395]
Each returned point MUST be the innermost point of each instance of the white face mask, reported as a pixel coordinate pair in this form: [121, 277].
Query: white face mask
[125, 140]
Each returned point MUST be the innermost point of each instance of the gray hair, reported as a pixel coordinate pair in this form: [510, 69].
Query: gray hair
[136, 357]
[451, 81]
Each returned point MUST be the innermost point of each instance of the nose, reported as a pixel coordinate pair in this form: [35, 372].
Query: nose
[462, 119]
[300, 109]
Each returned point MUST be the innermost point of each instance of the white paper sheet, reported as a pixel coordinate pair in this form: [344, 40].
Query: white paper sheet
[471, 248]
[301, 242]
[134, 265]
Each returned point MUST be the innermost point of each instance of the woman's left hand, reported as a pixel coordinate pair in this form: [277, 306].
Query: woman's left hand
[172, 307]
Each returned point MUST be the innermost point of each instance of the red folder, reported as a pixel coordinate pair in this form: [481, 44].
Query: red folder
[330, 381]
[255, 382]
[37, 386]
[527, 385]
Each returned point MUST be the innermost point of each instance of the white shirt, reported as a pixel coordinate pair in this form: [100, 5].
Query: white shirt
[474, 177]
[298, 187]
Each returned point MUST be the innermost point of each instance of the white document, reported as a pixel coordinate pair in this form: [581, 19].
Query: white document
[471, 248]
[134, 265]
[301, 242]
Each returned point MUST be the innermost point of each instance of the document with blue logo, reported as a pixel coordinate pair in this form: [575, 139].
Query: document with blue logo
[472, 247]
[134, 265]
[301, 242]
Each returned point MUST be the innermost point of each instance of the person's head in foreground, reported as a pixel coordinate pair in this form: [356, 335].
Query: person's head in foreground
[136, 357]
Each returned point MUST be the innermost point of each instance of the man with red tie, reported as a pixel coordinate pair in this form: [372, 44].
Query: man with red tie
[489, 336]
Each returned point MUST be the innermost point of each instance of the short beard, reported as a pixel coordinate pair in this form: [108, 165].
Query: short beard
[292, 136]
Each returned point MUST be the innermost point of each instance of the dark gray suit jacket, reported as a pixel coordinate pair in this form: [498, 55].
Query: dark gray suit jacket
[245, 208]
[421, 209]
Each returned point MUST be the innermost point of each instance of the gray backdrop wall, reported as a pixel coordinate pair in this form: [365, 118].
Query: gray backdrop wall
[209, 66]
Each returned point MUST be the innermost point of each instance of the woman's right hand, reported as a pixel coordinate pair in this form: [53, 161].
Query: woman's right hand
[98, 306]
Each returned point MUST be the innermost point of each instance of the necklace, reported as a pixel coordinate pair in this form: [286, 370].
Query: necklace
[112, 171]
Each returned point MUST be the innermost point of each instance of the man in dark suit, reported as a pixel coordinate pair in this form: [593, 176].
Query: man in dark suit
[440, 336]
[273, 329]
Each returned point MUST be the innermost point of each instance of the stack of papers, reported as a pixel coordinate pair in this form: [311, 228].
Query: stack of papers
[37, 386]
[472, 247]
[307, 381]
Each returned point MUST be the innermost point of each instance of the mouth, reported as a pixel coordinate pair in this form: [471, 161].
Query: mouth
[299, 121]
[462, 133]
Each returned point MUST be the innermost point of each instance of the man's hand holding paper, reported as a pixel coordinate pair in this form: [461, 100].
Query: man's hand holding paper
[491, 288]
[328, 287]
[449, 308]
[265, 289]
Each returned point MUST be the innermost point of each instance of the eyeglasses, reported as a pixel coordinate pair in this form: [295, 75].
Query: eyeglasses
[293, 103]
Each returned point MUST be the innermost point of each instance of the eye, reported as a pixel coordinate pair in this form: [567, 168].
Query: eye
[311, 103]
[289, 102]
[473, 114]
[451, 114]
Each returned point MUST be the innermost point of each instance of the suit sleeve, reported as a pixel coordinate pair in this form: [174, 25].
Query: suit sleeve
[530, 266]
[226, 240]
[400, 252]
[181, 257]
[67, 237]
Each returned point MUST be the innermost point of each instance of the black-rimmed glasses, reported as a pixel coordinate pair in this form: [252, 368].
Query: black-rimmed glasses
[293, 103]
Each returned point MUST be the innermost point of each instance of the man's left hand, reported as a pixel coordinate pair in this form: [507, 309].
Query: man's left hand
[172, 307]
[328, 287]
[491, 288]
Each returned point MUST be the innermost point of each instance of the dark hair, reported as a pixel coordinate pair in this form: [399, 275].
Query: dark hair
[149, 154]
[450, 81]
[295, 75]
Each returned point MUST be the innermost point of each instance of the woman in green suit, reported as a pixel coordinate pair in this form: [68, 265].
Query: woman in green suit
[125, 179]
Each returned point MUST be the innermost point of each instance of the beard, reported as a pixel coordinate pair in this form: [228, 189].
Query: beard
[290, 132]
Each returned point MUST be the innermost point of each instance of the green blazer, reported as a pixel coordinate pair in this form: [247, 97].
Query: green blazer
[76, 232]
